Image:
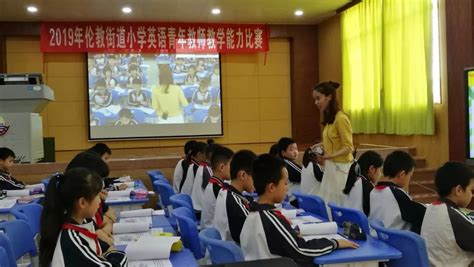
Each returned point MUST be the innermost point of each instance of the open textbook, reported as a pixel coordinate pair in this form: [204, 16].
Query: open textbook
[127, 238]
[153, 263]
[319, 230]
[150, 247]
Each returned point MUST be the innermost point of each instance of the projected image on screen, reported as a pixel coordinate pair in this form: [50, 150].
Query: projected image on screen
[147, 95]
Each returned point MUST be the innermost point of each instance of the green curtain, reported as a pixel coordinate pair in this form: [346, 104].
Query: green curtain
[396, 97]
[361, 28]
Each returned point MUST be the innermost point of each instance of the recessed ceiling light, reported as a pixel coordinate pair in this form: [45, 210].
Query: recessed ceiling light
[32, 9]
[126, 9]
[216, 11]
[299, 12]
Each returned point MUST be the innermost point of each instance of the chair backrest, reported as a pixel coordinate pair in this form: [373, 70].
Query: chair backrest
[189, 231]
[165, 190]
[341, 215]
[30, 213]
[312, 204]
[21, 238]
[6, 245]
[411, 245]
[220, 251]
[153, 173]
[183, 200]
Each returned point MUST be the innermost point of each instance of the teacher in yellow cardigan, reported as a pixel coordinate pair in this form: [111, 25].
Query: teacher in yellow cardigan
[337, 142]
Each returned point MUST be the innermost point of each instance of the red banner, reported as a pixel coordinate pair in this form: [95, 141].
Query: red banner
[123, 37]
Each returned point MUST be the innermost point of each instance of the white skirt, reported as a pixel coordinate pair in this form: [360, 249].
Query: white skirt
[334, 181]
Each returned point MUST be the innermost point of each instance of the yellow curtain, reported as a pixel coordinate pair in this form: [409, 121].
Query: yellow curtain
[361, 28]
[386, 50]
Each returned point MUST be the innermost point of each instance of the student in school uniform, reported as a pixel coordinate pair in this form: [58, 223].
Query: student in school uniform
[201, 179]
[68, 235]
[363, 175]
[220, 163]
[198, 156]
[105, 216]
[137, 98]
[7, 181]
[447, 231]
[202, 96]
[101, 97]
[389, 200]
[232, 207]
[192, 77]
[311, 173]
[182, 165]
[109, 80]
[125, 118]
[289, 153]
[134, 72]
[266, 233]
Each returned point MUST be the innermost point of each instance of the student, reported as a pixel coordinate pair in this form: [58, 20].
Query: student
[103, 150]
[266, 232]
[133, 69]
[288, 151]
[137, 98]
[179, 66]
[274, 150]
[192, 77]
[363, 175]
[105, 216]
[168, 99]
[201, 179]
[389, 200]
[198, 155]
[68, 238]
[200, 65]
[448, 232]
[216, 77]
[125, 118]
[202, 97]
[311, 173]
[183, 165]
[113, 64]
[232, 207]
[220, 163]
[214, 115]
[109, 80]
[102, 97]
[7, 181]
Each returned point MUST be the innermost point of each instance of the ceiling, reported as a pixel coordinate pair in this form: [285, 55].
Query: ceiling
[232, 11]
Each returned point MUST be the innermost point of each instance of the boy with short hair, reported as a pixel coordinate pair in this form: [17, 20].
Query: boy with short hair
[266, 232]
[389, 200]
[232, 207]
[220, 163]
[448, 232]
[7, 181]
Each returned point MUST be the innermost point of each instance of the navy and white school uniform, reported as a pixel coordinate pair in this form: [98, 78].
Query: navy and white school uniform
[136, 99]
[393, 206]
[209, 201]
[203, 174]
[79, 246]
[188, 182]
[180, 171]
[102, 100]
[294, 175]
[231, 211]
[8, 182]
[311, 177]
[131, 122]
[449, 235]
[359, 196]
[268, 234]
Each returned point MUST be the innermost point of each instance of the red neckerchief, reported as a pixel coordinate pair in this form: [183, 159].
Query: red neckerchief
[69, 226]
[380, 187]
[437, 202]
[203, 163]
[216, 181]
[98, 217]
[279, 214]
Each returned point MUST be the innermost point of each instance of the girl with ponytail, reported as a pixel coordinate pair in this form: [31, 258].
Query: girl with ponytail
[68, 235]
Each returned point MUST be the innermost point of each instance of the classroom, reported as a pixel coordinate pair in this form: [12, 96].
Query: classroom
[237, 133]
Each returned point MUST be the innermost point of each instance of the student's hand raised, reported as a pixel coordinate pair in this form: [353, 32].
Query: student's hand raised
[344, 243]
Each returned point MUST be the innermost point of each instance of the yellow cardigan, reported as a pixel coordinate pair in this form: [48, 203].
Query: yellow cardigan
[172, 102]
[338, 135]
